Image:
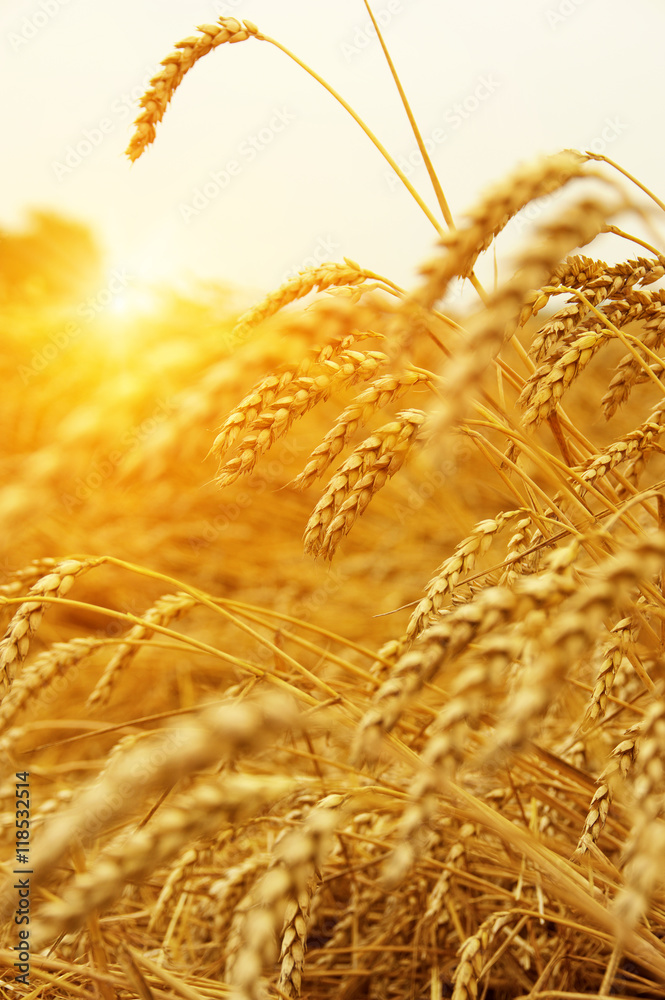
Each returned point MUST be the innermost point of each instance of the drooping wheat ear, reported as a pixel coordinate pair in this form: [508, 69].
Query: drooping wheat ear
[568, 637]
[622, 760]
[643, 870]
[165, 83]
[626, 635]
[545, 388]
[629, 371]
[229, 799]
[164, 611]
[635, 446]
[157, 762]
[463, 246]
[473, 955]
[301, 395]
[35, 679]
[437, 913]
[598, 281]
[488, 611]
[15, 643]
[418, 666]
[281, 900]
[175, 883]
[22, 579]
[384, 390]
[449, 572]
[270, 388]
[472, 689]
[358, 480]
[574, 272]
[518, 543]
[227, 892]
[329, 275]
[495, 325]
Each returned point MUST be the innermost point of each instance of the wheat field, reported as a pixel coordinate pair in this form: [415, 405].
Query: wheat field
[332, 638]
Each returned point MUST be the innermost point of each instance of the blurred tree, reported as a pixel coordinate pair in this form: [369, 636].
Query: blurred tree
[53, 260]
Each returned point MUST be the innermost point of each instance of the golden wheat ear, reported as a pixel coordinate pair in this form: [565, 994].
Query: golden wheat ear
[165, 83]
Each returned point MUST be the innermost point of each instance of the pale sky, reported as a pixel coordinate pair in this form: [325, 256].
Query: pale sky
[531, 76]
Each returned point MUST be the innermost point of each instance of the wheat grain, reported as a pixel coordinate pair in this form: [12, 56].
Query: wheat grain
[598, 281]
[302, 394]
[27, 619]
[626, 633]
[473, 955]
[214, 734]
[362, 475]
[52, 663]
[568, 636]
[164, 84]
[629, 371]
[463, 246]
[547, 385]
[321, 277]
[384, 390]
[449, 572]
[164, 611]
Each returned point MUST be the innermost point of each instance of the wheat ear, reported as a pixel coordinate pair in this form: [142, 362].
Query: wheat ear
[362, 475]
[197, 814]
[165, 83]
[27, 619]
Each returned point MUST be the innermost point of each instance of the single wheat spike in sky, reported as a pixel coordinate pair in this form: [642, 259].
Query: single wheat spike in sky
[163, 86]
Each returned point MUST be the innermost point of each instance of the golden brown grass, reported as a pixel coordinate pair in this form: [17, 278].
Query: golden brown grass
[232, 791]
